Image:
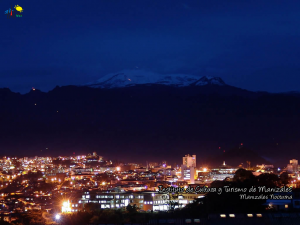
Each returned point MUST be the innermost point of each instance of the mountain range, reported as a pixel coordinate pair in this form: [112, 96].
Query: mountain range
[143, 116]
[128, 78]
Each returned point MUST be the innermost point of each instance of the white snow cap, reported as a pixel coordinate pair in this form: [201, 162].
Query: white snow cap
[127, 78]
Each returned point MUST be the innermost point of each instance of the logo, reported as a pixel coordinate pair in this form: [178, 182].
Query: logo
[14, 12]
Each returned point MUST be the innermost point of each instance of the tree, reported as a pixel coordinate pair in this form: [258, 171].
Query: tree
[284, 178]
[268, 180]
[131, 209]
[90, 207]
[242, 175]
[172, 200]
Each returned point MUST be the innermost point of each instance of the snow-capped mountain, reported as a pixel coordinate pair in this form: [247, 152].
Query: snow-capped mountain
[128, 78]
[209, 80]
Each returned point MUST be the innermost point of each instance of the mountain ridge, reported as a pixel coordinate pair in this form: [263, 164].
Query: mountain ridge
[140, 122]
[128, 78]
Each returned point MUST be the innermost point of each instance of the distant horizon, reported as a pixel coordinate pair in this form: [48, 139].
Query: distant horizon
[22, 91]
[275, 163]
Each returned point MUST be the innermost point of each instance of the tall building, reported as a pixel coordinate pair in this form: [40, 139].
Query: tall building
[188, 174]
[293, 166]
[189, 161]
[188, 168]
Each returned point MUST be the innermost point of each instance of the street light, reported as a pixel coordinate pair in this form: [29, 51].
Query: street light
[57, 216]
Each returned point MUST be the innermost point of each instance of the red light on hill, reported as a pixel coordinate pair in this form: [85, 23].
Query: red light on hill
[241, 143]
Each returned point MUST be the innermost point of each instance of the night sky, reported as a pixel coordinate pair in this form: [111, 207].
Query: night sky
[249, 44]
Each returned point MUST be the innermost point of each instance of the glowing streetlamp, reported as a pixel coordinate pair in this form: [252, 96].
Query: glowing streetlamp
[57, 216]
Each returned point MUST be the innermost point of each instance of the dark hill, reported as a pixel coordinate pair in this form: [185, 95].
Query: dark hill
[148, 122]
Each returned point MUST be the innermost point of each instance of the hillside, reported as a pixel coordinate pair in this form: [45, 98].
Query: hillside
[148, 122]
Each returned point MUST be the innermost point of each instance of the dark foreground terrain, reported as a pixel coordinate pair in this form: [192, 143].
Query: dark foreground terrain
[150, 122]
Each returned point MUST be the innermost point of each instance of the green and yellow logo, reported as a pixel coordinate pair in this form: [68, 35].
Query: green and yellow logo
[13, 13]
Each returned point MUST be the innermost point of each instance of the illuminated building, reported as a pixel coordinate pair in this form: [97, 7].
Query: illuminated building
[189, 161]
[188, 174]
[222, 172]
[188, 168]
[113, 200]
[293, 166]
[66, 207]
[143, 200]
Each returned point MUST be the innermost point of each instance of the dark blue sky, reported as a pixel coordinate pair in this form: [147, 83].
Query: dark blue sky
[249, 44]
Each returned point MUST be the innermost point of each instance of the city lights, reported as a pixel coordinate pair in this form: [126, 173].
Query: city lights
[66, 207]
[103, 185]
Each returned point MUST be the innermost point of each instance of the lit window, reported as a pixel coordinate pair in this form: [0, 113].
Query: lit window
[196, 220]
[223, 215]
[250, 215]
[231, 215]
[258, 215]
[286, 206]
